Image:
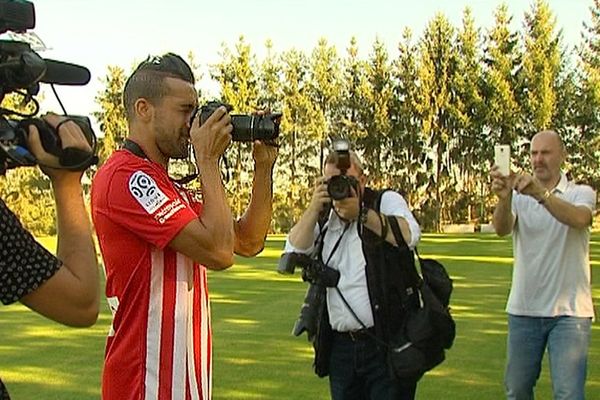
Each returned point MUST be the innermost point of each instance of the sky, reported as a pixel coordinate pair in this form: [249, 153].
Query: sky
[100, 33]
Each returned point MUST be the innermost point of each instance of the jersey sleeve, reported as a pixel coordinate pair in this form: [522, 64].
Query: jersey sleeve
[24, 263]
[147, 203]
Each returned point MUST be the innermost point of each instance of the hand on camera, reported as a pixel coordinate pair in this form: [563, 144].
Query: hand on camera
[320, 196]
[348, 208]
[211, 139]
[264, 154]
[71, 136]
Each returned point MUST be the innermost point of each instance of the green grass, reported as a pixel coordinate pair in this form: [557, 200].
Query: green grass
[256, 357]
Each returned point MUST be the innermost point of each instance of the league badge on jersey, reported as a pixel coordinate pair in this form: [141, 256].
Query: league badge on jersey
[145, 190]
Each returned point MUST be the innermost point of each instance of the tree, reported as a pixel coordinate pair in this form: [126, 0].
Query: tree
[111, 115]
[470, 148]
[26, 190]
[406, 168]
[237, 75]
[502, 62]
[541, 68]
[584, 149]
[378, 92]
[437, 108]
[351, 110]
[324, 91]
[298, 160]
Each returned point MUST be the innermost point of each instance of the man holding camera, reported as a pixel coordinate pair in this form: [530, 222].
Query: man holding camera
[158, 239]
[63, 288]
[360, 311]
[550, 302]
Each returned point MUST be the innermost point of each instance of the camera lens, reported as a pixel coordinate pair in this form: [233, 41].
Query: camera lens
[338, 187]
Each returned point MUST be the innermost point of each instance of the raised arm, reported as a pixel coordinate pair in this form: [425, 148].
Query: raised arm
[209, 240]
[71, 296]
[302, 235]
[575, 216]
[503, 219]
[252, 228]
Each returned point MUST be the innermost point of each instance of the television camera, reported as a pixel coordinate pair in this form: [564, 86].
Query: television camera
[21, 72]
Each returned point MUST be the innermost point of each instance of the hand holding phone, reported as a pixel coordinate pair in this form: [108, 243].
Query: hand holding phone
[502, 158]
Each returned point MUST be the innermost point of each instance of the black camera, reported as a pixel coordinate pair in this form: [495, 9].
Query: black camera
[340, 186]
[21, 72]
[246, 128]
[320, 276]
[313, 269]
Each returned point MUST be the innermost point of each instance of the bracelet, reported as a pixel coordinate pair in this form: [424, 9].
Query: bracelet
[363, 216]
[544, 197]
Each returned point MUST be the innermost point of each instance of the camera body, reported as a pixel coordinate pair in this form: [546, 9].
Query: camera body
[21, 71]
[340, 186]
[320, 276]
[14, 150]
[313, 269]
[246, 128]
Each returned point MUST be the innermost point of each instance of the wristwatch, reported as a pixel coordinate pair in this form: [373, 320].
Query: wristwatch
[544, 197]
[363, 215]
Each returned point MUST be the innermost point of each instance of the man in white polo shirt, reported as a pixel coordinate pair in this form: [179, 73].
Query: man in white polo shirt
[550, 302]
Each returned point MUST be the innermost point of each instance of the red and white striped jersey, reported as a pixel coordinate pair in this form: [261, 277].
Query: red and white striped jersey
[159, 345]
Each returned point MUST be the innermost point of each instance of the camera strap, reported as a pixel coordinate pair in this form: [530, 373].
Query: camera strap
[136, 150]
[339, 292]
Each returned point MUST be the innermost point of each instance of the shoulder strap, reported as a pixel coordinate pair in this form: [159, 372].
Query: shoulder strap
[402, 243]
[393, 222]
[377, 203]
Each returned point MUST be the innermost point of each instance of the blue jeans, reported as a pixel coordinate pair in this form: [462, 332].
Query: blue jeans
[358, 371]
[567, 340]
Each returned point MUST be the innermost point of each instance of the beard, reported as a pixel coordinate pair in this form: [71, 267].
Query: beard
[174, 144]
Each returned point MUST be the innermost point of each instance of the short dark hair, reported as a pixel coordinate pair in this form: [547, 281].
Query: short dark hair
[148, 79]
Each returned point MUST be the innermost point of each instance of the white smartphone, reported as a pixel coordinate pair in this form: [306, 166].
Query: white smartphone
[502, 158]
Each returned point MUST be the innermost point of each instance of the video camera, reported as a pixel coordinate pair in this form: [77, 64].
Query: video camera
[340, 186]
[246, 128]
[21, 72]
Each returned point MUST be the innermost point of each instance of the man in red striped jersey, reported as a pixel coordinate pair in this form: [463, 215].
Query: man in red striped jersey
[157, 239]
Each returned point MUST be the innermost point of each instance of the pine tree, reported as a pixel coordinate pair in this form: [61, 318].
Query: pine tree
[237, 75]
[111, 116]
[470, 147]
[324, 90]
[541, 68]
[406, 169]
[437, 107]
[378, 92]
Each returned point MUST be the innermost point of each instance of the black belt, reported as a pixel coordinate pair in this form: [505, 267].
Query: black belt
[355, 336]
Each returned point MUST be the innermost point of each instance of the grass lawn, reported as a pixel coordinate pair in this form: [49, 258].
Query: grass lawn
[256, 357]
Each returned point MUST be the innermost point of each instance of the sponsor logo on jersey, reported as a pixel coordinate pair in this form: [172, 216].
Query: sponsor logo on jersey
[145, 190]
[169, 210]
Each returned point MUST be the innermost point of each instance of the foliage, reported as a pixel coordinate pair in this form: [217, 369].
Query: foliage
[423, 120]
[26, 190]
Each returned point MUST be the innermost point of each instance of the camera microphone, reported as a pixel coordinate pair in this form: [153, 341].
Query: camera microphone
[64, 73]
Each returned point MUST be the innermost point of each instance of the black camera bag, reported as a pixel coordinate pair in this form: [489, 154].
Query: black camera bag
[427, 329]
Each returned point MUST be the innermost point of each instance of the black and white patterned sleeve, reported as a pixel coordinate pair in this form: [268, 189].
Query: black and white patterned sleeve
[24, 263]
[3, 392]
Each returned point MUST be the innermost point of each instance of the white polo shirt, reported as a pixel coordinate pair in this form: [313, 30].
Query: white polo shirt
[551, 275]
[349, 259]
